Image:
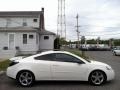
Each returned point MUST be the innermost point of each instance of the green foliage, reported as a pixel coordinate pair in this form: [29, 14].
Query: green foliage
[63, 41]
[117, 42]
[92, 41]
[4, 64]
[57, 43]
[82, 39]
[78, 53]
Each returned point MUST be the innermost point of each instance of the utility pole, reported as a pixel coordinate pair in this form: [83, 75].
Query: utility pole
[78, 42]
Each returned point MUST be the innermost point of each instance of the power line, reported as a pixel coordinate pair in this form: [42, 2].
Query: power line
[101, 35]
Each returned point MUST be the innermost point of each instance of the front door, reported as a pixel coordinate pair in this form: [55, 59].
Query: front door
[11, 41]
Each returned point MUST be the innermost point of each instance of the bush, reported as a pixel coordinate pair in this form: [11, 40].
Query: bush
[4, 64]
[78, 53]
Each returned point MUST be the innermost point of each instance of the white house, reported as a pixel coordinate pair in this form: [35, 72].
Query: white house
[23, 32]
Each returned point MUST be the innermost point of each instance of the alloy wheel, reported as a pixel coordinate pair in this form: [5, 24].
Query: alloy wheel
[97, 78]
[25, 78]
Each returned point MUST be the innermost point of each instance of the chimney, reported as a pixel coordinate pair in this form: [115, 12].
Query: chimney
[42, 25]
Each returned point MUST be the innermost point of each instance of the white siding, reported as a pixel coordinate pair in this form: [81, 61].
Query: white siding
[17, 22]
[47, 44]
[30, 46]
[3, 40]
[31, 43]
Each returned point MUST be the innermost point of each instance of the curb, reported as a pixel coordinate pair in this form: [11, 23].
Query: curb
[2, 72]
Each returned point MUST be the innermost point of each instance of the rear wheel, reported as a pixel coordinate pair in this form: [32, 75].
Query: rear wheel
[97, 77]
[25, 78]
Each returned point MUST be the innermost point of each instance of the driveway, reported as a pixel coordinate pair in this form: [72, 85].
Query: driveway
[104, 56]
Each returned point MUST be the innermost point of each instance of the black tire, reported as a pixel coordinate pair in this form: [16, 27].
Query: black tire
[25, 78]
[97, 77]
[115, 54]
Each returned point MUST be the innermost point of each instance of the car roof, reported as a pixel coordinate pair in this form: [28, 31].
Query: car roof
[48, 52]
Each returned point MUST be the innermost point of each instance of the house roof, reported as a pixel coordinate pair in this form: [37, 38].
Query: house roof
[45, 32]
[26, 29]
[20, 13]
[18, 29]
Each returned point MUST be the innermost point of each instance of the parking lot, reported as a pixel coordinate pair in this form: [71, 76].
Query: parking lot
[104, 56]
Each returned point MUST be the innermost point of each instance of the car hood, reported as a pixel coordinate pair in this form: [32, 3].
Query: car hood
[17, 58]
[98, 63]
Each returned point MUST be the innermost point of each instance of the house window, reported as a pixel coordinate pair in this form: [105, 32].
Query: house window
[35, 20]
[31, 36]
[8, 22]
[24, 38]
[46, 37]
[24, 24]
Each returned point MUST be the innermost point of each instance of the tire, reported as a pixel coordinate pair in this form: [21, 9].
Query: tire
[115, 53]
[97, 78]
[25, 78]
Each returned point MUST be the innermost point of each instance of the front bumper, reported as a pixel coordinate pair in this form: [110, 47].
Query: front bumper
[110, 75]
[11, 72]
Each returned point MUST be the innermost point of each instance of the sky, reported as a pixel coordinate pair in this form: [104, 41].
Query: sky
[97, 18]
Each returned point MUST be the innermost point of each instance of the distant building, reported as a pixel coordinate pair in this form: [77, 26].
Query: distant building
[23, 32]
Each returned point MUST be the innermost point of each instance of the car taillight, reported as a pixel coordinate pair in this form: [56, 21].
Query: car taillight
[13, 63]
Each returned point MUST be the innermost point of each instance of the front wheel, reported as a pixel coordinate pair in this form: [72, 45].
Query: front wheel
[25, 78]
[115, 54]
[97, 77]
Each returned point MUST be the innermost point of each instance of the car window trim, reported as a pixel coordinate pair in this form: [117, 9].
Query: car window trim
[44, 59]
[82, 62]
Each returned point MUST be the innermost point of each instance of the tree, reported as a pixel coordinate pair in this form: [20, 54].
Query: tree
[92, 41]
[98, 40]
[57, 43]
[83, 40]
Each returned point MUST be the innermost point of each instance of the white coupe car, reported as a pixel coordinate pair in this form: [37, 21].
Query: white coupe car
[59, 65]
[116, 51]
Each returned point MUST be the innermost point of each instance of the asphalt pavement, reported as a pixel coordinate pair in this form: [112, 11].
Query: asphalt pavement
[104, 56]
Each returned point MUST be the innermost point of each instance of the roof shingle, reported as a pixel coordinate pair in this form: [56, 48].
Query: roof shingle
[20, 13]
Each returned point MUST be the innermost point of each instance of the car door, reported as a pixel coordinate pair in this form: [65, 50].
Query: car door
[42, 67]
[118, 51]
[67, 67]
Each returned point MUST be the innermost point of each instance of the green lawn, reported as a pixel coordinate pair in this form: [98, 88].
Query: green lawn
[78, 52]
[4, 64]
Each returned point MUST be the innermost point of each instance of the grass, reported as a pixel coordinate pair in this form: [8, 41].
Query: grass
[78, 52]
[4, 64]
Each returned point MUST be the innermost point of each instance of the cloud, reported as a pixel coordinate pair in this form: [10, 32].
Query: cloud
[94, 15]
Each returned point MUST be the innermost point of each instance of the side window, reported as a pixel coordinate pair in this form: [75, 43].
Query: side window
[49, 57]
[24, 24]
[46, 37]
[35, 20]
[31, 36]
[24, 38]
[66, 58]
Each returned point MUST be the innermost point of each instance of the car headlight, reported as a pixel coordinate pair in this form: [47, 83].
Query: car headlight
[108, 68]
[13, 63]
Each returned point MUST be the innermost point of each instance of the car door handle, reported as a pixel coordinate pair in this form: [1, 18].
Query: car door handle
[56, 65]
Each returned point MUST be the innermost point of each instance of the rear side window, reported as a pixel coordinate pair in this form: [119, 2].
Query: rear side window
[49, 57]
